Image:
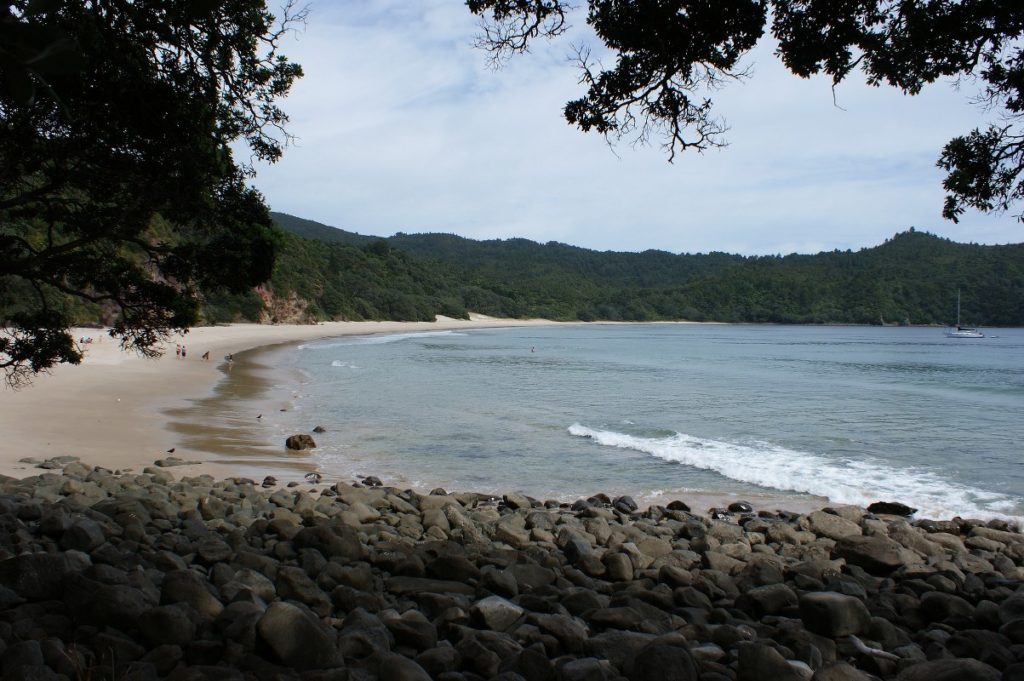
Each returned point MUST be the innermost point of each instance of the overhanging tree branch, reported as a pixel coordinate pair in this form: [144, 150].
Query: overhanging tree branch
[118, 186]
[669, 56]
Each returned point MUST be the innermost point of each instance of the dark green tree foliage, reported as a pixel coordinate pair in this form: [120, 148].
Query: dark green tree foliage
[315, 230]
[372, 282]
[913, 277]
[119, 191]
[670, 54]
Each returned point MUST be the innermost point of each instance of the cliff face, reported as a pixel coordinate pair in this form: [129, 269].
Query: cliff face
[287, 309]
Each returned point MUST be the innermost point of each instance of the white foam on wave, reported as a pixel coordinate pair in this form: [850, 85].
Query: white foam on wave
[343, 365]
[841, 481]
[376, 339]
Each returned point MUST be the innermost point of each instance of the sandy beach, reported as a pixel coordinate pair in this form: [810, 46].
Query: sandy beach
[171, 574]
[121, 411]
[111, 410]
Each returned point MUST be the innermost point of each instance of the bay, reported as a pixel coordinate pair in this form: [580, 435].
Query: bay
[854, 414]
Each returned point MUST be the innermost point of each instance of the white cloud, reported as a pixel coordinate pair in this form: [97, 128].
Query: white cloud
[402, 127]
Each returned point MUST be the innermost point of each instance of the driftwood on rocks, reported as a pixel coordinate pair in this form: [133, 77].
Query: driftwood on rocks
[148, 576]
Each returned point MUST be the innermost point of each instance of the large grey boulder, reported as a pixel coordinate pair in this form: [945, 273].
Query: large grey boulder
[298, 639]
[21, 655]
[83, 535]
[530, 663]
[1012, 608]
[833, 614]
[573, 544]
[495, 613]
[252, 581]
[35, 576]
[293, 583]
[584, 669]
[238, 621]
[395, 667]
[212, 550]
[878, 555]
[570, 632]
[759, 662]
[452, 567]
[332, 541]
[618, 647]
[412, 629]
[168, 625]
[530, 576]
[891, 508]
[187, 586]
[663, 662]
[440, 659]
[831, 525]
[117, 605]
[767, 600]
[940, 607]
[619, 566]
[300, 441]
[363, 634]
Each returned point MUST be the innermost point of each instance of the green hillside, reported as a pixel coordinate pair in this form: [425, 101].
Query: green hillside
[311, 229]
[326, 273]
[913, 278]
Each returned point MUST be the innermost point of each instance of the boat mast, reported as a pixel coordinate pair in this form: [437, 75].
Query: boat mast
[958, 308]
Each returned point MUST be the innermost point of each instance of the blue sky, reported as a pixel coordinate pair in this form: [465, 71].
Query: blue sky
[402, 126]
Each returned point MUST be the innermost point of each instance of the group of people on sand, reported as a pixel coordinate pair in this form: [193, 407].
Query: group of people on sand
[182, 352]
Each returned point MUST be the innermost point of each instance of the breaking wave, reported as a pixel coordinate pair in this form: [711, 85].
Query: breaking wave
[375, 339]
[842, 481]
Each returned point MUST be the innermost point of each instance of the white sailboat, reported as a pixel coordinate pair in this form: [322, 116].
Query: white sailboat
[959, 331]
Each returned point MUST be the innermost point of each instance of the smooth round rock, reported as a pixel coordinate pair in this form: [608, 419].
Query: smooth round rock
[833, 614]
[300, 441]
[298, 640]
[659, 662]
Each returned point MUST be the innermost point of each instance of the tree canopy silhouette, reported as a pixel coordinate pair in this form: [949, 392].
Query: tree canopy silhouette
[670, 54]
[118, 180]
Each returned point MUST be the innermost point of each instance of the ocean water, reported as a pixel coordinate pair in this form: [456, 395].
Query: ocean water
[659, 411]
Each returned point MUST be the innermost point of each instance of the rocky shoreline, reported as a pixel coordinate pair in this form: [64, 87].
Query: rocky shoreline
[118, 575]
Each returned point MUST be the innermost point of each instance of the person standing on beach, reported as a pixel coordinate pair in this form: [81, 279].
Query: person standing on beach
[177, 350]
[183, 352]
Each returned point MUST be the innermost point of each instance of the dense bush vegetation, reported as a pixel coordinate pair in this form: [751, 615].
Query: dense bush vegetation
[913, 278]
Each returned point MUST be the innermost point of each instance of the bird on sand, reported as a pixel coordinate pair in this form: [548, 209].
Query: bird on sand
[260, 416]
[171, 450]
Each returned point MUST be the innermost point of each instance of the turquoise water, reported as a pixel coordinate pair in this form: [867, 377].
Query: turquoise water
[855, 414]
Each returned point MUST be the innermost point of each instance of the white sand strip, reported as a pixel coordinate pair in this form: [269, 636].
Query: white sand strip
[109, 410]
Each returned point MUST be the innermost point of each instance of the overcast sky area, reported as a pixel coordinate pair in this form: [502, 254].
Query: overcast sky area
[401, 126]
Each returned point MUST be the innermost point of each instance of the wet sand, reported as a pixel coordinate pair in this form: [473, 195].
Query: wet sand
[225, 424]
[122, 411]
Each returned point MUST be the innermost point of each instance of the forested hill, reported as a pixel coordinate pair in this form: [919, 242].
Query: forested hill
[311, 229]
[911, 278]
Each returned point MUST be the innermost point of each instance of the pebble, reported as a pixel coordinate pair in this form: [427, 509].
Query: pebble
[107, 575]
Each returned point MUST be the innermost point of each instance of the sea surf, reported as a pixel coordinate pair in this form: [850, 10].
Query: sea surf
[657, 411]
